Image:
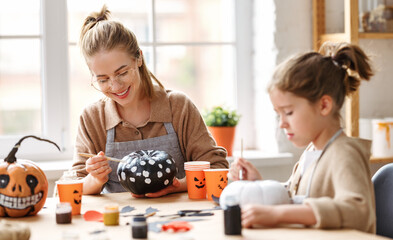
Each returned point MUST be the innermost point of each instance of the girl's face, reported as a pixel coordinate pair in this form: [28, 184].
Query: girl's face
[299, 118]
[115, 73]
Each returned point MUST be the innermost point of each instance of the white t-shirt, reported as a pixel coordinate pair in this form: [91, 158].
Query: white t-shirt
[309, 158]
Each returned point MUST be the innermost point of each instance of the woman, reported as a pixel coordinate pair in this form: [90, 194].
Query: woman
[137, 113]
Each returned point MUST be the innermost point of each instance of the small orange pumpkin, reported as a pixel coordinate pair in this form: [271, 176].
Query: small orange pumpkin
[23, 185]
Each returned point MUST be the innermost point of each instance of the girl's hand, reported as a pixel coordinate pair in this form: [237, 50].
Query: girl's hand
[98, 167]
[177, 186]
[249, 171]
[259, 215]
[270, 216]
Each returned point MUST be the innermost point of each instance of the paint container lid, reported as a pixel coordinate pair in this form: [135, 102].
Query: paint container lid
[63, 207]
[231, 200]
[139, 219]
[112, 208]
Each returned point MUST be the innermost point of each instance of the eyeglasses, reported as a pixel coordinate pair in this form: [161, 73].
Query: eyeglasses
[105, 84]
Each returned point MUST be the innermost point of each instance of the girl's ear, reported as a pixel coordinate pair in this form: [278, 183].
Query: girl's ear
[326, 105]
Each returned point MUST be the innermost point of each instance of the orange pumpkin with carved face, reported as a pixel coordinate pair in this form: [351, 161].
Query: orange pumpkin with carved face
[23, 186]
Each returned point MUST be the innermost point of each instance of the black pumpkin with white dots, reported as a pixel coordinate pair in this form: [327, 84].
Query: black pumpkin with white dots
[146, 171]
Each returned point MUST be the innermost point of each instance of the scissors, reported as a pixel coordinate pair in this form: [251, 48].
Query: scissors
[189, 213]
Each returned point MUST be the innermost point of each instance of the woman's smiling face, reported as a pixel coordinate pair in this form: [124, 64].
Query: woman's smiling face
[116, 74]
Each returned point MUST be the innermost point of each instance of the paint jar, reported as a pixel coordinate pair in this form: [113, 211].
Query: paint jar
[111, 215]
[232, 217]
[63, 213]
[139, 228]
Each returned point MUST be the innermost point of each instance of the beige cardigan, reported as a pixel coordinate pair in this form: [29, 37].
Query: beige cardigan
[341, 193]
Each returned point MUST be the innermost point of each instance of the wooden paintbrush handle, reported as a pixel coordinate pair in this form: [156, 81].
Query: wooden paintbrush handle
[92, 155]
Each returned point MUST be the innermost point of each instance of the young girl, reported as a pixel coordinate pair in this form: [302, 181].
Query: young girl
[331, 184]
[138, 113]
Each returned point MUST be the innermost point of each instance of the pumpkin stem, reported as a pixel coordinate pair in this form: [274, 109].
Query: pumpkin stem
[11, 156]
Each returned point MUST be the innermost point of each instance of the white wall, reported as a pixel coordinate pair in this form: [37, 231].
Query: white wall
[376, 99]
[281, 29]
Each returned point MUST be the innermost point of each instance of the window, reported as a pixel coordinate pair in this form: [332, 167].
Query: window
[190, 46]
[20, 88]
[33, 70]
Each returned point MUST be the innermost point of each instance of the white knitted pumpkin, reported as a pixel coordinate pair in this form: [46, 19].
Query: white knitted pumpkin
[266, 192]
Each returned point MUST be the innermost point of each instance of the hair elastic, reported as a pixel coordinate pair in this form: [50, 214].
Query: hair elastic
[343, 66]
[336, 63]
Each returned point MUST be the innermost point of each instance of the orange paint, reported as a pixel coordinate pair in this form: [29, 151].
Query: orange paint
[386, 126]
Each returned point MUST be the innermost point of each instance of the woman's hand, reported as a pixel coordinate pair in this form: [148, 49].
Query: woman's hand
[177, 186]
[249, 171]
[98, 167]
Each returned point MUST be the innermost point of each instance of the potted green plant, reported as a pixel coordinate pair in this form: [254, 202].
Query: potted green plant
[221, 122]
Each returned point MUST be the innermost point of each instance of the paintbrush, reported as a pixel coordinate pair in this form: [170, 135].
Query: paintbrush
[150, 214]
[92, 155]
[146, 215]
[241, 156]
